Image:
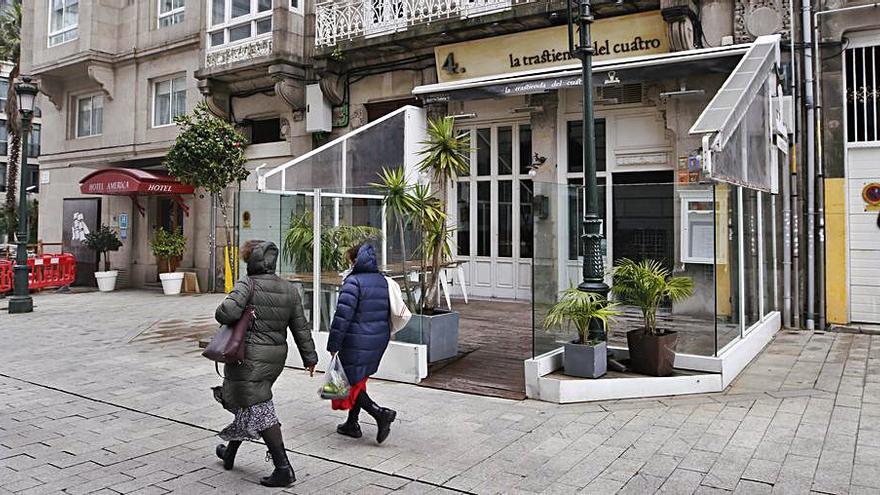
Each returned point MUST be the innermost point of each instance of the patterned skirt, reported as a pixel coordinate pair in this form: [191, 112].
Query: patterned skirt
[250, 421]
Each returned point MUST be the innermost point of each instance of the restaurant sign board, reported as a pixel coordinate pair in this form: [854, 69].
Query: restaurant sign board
[613, 38]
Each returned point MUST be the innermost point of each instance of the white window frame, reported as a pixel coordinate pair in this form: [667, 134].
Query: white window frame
[155, 93]
[299, 6]
[76, 114]
[694, 196]
[171, 13]
[229, 23]
[51, 34]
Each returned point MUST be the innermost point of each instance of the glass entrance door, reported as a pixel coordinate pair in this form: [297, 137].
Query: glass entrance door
[493, 212]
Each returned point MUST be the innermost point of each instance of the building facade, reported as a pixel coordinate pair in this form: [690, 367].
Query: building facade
[113, 75]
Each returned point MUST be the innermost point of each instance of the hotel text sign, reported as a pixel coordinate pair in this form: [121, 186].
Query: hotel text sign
[615, 37]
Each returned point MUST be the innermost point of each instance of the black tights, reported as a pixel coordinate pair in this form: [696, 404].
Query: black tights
[364, 402]
[275, 444]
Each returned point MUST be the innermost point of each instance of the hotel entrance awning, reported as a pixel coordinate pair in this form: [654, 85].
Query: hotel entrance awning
[721, 60]
[131, 182]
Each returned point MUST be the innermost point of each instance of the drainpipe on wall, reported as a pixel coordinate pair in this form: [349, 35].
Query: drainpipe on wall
[809, 104]
[788, 169]
[820, 159]
[212, 246]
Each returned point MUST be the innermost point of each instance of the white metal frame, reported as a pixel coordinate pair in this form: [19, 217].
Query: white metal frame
[64, 29]
[155, 94]
[686, 197]
[160, 16]
[77, 99]
[299, 8]
[230, 22]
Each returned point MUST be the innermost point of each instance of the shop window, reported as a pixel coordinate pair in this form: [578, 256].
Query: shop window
[170, 12]
[232, 21]
[89, 116]
[643, 220]
[505, 218]
[33, 175]
[169, 100]
[576, 208]
[63, 21]
[484, 218]
[266, 131]
[576, 148]
[463, 231]
[861, 66]
[526, 219]
[525, 148]
[484, 151]
[505, 150]
[697, 227]
[34, 141]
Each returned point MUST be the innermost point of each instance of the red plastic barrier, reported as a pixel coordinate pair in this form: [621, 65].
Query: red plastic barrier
[51, 270]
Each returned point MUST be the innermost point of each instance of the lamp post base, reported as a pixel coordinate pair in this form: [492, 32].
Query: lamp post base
[21, 304]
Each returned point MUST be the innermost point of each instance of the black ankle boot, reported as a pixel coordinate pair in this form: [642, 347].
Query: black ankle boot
[352, 430]
[281, 477]
[384, 418]
[227, 453]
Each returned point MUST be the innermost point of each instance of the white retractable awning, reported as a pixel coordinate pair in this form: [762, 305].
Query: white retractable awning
[635, 69]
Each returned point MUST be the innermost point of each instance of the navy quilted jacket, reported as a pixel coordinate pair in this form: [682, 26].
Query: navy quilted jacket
[360, 331]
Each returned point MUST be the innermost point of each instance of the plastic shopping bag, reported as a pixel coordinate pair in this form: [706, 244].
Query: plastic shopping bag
[400, 314]
[335, 384]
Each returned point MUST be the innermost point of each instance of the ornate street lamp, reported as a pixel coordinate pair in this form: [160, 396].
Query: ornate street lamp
[580, 16]
[21, 301]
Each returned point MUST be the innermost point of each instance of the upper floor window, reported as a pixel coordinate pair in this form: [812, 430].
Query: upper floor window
[231, 21]
[4, 91]
[296, 5]
[169, 100]
[170, 12]
[89, 116]
[63, 21]
[34, 141]
[4, 137]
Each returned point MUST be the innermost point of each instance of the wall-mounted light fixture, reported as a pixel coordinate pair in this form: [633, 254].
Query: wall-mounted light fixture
[682, 92]
[611, 79]
[464, 116]
[537, 163]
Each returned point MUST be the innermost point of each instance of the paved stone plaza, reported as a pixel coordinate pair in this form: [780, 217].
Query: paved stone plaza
[89, 406]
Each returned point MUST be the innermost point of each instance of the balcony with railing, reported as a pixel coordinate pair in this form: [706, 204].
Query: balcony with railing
[342, 20]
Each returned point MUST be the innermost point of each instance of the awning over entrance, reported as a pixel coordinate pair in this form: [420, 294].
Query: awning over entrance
[132, 182]
[636, 69]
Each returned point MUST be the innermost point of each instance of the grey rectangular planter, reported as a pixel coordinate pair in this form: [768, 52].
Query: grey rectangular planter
[439, 332]
[585, 361]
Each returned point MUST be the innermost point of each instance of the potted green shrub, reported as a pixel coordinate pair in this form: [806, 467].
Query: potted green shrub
[582, 357]
[335, 241]
[646, 284]
[168, 246]
[445, 157]
[104, 240]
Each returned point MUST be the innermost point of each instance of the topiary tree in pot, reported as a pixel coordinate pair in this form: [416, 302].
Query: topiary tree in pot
[103, 240]
[582, 357]
[168, 246]
[209, 154]
[646, 284]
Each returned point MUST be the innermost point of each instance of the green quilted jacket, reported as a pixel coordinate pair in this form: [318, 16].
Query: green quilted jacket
[277, 308]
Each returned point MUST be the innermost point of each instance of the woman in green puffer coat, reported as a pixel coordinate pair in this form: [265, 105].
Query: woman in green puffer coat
[247, 387]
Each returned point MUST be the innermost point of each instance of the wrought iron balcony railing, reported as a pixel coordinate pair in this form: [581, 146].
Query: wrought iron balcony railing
[339, 20]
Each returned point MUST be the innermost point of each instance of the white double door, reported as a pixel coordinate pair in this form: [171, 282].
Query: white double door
[492, 211]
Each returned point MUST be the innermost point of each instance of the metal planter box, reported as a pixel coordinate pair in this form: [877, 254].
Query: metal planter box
[585, 361]
[439, 332]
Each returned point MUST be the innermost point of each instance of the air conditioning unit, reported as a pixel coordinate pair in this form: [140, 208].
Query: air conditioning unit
[319, 112]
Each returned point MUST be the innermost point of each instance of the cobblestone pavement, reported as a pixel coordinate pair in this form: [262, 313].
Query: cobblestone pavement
[91, 403]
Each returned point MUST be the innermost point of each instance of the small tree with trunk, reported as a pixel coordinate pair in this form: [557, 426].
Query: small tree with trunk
[10, 50]
[103, 241]
[209, 154]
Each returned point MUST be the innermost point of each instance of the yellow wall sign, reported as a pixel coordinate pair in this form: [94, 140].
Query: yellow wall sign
[615, 37]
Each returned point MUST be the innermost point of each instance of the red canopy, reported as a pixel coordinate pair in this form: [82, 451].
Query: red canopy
[131, 182]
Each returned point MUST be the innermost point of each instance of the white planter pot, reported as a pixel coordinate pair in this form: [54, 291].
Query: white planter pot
[171, 283]
[106, 280]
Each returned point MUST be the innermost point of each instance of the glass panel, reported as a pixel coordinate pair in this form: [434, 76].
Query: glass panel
[57, 14]
[575, 145]
[484, 151]
[484, 218]
[464, 218]
[165, 6]
[368, 152]
[84, 117]
[98, 115]
[525, 148]
[526, 222]
[505, 218]
[575, 193]
[240, 8]
[162, 110]
[751, 229]
[264, 26]
[263, 5]
[178, 106]
[217, 38]
[71, 13]
[643, 217]
[320, 170]
[768, 237]
[505, 150]
[241, 32]
[218, 12]
[727, 300]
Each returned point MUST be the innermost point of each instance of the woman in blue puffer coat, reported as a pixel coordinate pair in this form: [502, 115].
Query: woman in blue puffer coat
[359, 334]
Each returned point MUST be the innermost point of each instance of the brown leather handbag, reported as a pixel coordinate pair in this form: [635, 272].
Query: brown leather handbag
[228, 345]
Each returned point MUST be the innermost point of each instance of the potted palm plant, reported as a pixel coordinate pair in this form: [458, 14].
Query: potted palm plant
[445, 156]
[582, 357]
[104, 240]
[168, 246]
[646, 284]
